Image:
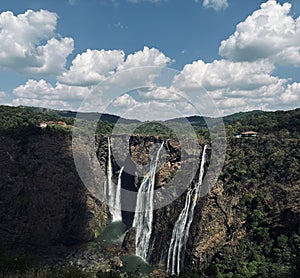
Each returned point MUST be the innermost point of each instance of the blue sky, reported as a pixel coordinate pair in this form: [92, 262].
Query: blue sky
[259, 60]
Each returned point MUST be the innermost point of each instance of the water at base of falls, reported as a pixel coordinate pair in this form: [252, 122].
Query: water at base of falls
[113, 233]
[134, 264]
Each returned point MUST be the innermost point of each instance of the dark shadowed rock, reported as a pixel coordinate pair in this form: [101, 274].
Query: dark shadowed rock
[129, 241]
[43, 202]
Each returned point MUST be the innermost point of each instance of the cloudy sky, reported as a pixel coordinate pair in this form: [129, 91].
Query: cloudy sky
[214, 56]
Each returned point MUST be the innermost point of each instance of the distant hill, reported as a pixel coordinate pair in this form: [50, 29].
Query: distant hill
[199, 121]
[194, 120]
[260, 121]
[236, 116]
[88, 116]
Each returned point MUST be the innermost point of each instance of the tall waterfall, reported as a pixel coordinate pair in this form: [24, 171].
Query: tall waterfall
[182, 226]
[113, 193]
[144, 210]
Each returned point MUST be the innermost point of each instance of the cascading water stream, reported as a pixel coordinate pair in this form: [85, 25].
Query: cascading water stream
[144, 210]
[182, 226]
[116, 209]
[113, 193]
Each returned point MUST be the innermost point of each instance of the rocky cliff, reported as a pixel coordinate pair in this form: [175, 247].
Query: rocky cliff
[43, 202]
[252, 209]
[241, 222]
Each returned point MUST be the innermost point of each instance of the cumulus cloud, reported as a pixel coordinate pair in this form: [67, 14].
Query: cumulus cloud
[140, 68]
[145, 58]
[269, 33]
[217, 5]
[160, 93]
[225, 74]
[152, 104]
[41, 93]
[238, 86]
[29, 43]
[86, 71]
[243, 80]
[292, 94]
[93, 66]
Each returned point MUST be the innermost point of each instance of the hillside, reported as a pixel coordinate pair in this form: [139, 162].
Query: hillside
[247, 226]
[112, 119]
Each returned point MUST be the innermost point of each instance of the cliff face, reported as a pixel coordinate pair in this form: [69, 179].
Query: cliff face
[43, 202]
[253, 207]
[254, 204]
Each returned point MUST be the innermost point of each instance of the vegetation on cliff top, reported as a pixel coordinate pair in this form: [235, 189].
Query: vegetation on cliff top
[283, 123]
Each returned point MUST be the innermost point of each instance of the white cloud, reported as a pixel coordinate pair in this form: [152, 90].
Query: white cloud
[232, 103]
[159, 93]
[269, 33]
[237, 86]
[291, 94]
[29, 43]
[51, 57]
[233, 87]
[146, 108]
[41, 93]
[125, 101]
[3, 94]
[94, 66]
[243, 81]
[225, 74]
[140, 68]
[86, 71]
[145, 58]
[217, 5]
[55, 104]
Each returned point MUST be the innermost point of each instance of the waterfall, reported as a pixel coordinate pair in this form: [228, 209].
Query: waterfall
[182, 226]
[144, 210]
[113, 193]
[117, 213]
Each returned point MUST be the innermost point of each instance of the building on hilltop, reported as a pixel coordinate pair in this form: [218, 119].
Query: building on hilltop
[61, 123]
[247, 134]
[43, 125]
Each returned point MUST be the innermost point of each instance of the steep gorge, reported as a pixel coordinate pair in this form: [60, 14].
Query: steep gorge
[44, 205]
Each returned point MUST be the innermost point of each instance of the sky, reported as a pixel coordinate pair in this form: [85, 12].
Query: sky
[151, 59]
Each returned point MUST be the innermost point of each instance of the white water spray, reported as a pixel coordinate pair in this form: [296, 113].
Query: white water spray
[113, 193]
[144, 211]
[182, 226]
